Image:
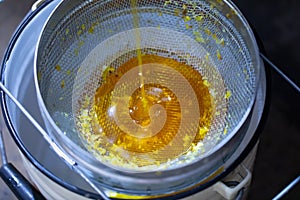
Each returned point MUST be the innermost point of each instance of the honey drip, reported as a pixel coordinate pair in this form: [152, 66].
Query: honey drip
[146, 104]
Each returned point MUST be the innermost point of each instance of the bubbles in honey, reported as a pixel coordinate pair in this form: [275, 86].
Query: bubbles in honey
[154, 122]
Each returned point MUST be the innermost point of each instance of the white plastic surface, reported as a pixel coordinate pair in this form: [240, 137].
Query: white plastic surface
[231, 192]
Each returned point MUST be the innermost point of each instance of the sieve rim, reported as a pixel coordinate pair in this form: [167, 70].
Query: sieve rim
[102, 167]
[219, 145]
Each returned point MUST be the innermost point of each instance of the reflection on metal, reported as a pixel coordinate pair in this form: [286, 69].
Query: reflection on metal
[2, 149]
[36, 4]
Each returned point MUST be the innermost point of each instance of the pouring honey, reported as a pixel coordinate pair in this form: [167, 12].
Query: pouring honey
[140, 120]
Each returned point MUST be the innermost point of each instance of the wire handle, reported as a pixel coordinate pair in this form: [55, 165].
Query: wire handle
[294, 85]
[70, 162]
[287, 188]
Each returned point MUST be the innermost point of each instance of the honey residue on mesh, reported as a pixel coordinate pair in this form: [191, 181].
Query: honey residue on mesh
[109, 141]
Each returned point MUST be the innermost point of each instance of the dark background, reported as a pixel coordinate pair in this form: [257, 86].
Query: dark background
[277, 23]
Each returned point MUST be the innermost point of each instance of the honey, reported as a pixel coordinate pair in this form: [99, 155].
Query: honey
[153, 109]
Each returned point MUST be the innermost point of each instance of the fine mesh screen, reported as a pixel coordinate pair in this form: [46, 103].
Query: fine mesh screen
[97, 37]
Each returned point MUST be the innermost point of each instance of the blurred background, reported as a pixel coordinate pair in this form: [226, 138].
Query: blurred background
[277, 23]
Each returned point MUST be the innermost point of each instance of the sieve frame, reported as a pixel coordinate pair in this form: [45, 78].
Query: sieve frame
[108, 172]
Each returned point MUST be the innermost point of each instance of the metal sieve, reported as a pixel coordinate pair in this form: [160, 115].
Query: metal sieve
[83, 41]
